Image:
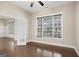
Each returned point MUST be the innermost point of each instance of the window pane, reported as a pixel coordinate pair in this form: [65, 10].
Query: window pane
[11, 27]
[49, 26]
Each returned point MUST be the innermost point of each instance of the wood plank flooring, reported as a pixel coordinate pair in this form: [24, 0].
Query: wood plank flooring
[33, 49]
[8, 48]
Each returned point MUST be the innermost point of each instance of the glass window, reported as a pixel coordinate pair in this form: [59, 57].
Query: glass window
[11, 27]
[49, 26]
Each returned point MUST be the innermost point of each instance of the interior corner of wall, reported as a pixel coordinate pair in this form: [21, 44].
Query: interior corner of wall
[77, 50]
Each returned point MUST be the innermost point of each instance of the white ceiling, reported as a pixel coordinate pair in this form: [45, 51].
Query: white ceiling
[37, 7]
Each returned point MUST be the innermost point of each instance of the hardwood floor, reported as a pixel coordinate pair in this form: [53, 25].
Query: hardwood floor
[33, 49]
[8, 48]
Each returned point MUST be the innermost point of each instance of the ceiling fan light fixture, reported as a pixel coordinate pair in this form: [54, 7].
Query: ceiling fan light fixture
[40, 2]
[31, 5]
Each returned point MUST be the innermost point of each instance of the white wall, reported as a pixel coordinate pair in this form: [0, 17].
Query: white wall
[69, 26]
[21, 21]
[77, 27]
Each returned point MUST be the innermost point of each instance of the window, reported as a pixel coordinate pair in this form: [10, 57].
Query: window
[11, 27]
[49, 26]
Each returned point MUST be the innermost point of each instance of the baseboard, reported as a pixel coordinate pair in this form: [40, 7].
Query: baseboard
[21, 44]
[68, 46]
[77, 51]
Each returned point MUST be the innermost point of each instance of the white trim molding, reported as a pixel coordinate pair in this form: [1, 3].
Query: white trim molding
[77, 51]
[62, 34]
[68, 46]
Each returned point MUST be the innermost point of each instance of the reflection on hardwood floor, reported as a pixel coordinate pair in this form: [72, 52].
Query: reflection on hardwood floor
[41, 50]
[8, 48]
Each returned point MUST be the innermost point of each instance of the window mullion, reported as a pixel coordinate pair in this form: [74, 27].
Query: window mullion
[53, 26]
[50, 26]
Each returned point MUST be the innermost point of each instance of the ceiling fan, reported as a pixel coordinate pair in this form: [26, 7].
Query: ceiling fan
[40, 2]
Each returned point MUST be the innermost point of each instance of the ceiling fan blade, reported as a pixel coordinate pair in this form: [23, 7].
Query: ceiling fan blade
[41, 3]
[31, 5]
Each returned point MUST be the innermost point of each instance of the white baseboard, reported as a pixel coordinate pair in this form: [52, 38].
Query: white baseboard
[52, 43]
[22, 43]
[77, 51]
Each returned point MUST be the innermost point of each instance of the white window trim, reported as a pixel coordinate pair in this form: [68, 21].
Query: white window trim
[11, 21]
[62, 25]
